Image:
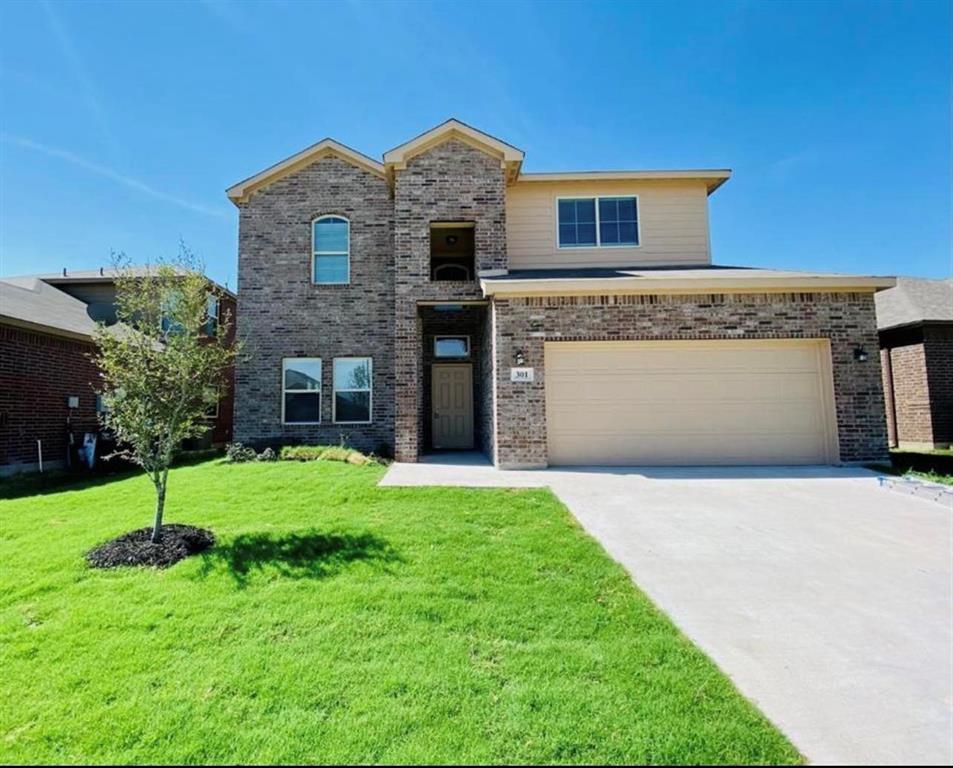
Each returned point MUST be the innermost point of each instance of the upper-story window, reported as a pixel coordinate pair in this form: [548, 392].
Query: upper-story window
[211, 315]
[331, 245]
[594, 222]
[452, 250]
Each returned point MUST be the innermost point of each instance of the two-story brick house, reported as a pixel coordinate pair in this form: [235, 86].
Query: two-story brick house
[445, 299]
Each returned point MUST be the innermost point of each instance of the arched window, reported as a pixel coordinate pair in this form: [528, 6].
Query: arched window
[451, 272]
[331, 249]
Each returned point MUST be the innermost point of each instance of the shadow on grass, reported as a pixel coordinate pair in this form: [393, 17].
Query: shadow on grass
[60, 480]
[57, 481]
[308, 555]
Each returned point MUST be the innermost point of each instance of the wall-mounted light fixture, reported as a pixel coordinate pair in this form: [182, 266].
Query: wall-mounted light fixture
[860, 354]
[518, 357]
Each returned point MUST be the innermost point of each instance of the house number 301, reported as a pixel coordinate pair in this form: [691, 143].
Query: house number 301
[521, 374]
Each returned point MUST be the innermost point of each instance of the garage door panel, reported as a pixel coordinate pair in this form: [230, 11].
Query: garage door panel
[793, 417]
[729, 402]
[701, 388]
[697, 450]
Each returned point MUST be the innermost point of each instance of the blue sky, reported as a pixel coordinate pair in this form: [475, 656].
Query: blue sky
[121, 124]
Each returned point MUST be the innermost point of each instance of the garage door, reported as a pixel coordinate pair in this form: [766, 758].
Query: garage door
[689, 402]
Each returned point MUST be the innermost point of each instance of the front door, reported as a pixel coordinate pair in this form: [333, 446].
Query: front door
[452, 406]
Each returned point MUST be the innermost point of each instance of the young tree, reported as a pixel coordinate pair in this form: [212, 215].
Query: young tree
[162, 365]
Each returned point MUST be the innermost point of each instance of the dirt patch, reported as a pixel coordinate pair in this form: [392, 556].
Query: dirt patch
[136, 548]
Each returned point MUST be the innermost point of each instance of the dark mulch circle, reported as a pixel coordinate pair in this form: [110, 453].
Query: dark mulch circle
[136, 548]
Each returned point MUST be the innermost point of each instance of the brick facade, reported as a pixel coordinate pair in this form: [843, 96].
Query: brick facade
[846, 319]
[450, 182]
[918, 382]
[386, 311]
[38, 371]
[282, 313]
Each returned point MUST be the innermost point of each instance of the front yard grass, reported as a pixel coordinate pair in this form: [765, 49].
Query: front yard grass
[336, 621]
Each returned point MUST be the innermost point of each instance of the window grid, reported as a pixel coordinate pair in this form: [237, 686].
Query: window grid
[369, 389]
[597, 204]
[327, 254]
[286, 390]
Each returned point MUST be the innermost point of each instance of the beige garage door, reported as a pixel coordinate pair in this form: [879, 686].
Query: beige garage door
[690, 402]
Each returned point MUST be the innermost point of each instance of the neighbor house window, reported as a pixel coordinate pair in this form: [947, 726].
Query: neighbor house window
[331, 243]
[301, 390]
[211, 311]
[594, 222]
[352, 390]
[451, 346]
[211, 412]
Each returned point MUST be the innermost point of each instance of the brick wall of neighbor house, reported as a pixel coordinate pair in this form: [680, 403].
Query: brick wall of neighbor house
[938, 340]
[846, 319]
[37, 373]
[911, 394]
[450, 182]
[223, 426]
[283, 314]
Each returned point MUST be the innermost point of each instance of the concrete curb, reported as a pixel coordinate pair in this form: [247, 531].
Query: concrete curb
[923, 489]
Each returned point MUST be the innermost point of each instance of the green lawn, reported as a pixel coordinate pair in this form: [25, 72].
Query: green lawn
[340, 622]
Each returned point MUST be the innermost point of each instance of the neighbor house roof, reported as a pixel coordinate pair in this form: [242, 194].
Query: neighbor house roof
[510, 157]
[107, 275]
[915, 300]
[31, 303]
[707, 279]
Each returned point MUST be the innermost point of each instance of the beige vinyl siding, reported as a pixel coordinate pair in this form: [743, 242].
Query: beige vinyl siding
[673, 221]
[690, 402]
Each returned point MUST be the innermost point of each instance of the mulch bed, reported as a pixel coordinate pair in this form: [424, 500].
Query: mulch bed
[136, 548]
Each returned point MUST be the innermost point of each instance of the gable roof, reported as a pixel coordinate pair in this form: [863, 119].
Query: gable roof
[32, 303]
[240, 192]
[915, 300]
[511, 157]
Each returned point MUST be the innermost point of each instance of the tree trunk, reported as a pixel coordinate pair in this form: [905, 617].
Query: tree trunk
[160, 507]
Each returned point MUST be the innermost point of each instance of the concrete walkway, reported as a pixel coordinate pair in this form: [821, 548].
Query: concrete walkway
[827, 599]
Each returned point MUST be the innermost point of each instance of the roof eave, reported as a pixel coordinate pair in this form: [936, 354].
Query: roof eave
[713, 177]
[50, 330]
[241, 192]
[640, 285]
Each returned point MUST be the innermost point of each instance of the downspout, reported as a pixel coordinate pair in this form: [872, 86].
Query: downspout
[892, 427]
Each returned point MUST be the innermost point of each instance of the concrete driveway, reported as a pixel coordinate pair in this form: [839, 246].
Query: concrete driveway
[827, 599]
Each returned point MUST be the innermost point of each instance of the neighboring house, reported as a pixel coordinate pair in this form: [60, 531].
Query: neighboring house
[47, 382]
[916, 349]
[446, 299]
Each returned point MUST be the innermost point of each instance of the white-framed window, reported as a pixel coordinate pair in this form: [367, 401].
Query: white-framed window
[451, 346]
[353, 390]
[301, 390]
[211, 311]
[598, 222]
[331, 250]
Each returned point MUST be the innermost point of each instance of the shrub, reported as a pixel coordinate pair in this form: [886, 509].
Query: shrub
[237, 453]
[302, 452]
[324, 453]
[268, 455]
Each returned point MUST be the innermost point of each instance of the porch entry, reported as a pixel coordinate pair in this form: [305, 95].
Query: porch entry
[452, 406]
